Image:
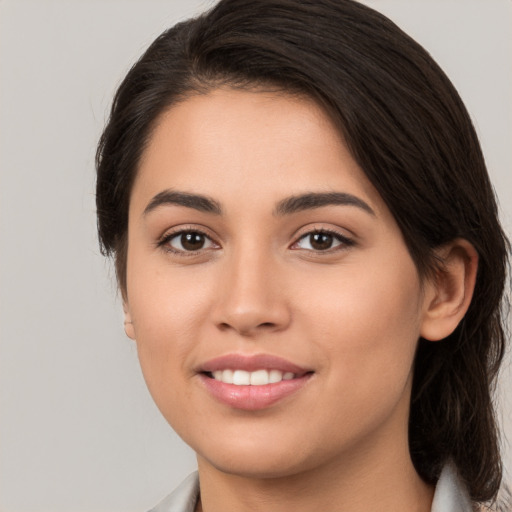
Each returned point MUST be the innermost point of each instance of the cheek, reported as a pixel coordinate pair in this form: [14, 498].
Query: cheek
[169, 308]
[366, 321]
[166, 301]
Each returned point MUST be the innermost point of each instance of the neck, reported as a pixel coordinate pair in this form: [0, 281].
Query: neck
[379, 477]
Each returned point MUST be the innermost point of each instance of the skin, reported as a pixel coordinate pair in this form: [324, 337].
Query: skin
[351, 314]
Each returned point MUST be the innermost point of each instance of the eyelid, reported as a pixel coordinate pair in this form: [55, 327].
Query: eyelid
[346, 240]
[339, 234]
[169, 234]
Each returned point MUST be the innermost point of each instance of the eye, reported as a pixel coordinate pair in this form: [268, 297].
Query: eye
[187, 241]
[321, 241]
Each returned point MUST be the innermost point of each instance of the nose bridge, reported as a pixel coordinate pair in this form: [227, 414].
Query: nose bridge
[250, 299]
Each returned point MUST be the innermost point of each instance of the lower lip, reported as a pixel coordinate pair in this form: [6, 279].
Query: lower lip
[253, 398]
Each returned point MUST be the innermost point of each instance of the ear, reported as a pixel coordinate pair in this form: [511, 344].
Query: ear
[448, 294]
[128, 325]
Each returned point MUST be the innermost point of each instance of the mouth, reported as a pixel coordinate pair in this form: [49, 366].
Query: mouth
[252, 382]
[255, 378]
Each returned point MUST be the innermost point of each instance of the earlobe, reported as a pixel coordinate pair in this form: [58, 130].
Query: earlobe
[128, 325]
[449, 292]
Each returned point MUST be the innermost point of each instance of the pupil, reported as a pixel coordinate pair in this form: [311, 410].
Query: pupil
[321, 241]
[192, 241]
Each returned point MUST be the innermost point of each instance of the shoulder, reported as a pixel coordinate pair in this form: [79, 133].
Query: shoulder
[183, 498]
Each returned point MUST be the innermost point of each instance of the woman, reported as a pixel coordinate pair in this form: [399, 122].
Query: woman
[308, 249]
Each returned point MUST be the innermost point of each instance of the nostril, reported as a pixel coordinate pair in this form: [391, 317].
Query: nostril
[247, 329]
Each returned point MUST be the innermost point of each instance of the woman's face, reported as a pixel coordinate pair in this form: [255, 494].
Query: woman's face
[259, 252]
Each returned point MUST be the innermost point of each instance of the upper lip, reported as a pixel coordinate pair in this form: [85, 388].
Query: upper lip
[251, 363]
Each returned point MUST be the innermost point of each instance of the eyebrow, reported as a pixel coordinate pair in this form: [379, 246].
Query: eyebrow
[287, 206]
[313, 200]
[174, 197]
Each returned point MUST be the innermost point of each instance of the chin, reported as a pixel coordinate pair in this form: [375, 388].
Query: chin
[253, 456]
[257, 465]
[270, 458]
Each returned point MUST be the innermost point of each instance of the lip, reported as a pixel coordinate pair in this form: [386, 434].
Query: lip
[252, 398]
[251, 363]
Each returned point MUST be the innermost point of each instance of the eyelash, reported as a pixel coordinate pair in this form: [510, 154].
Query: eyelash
[344, 242]
[164, 242]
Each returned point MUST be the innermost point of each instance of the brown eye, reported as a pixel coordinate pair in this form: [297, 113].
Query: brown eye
[192, 241]
[321, 241]
[189, 241]
[318, 241]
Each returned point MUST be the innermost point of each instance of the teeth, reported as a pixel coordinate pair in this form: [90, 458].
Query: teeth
[259, 378]
[275, 376]
[241, 378]
[256, 378]
[225, 376]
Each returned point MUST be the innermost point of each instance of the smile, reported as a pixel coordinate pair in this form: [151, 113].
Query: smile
[252, 382]
[256, 378]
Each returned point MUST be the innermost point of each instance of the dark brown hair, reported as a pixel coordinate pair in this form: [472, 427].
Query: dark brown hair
[405, 125]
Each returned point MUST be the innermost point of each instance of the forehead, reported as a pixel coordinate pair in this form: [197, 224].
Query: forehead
[228, 141]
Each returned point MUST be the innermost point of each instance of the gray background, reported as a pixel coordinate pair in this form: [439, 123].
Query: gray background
[78, 430]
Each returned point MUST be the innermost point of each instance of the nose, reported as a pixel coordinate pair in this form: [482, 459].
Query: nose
[252, 299]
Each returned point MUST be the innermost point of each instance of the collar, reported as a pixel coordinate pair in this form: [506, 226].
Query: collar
[451, 494]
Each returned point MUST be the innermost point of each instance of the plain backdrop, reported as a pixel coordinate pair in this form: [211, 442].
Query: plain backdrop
[78, 430]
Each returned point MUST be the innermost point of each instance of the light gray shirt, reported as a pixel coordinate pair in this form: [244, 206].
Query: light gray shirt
[450, 495]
